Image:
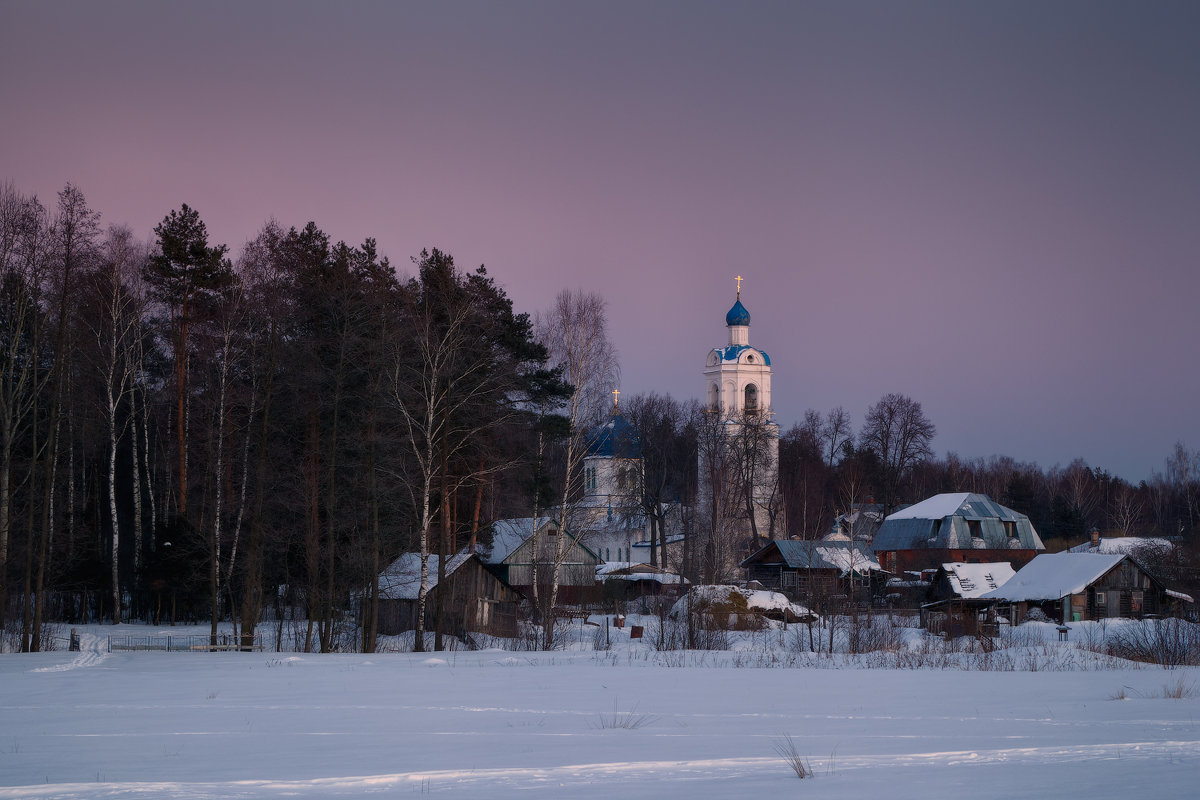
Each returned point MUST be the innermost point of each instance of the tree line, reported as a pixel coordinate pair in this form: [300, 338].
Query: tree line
[189, 434]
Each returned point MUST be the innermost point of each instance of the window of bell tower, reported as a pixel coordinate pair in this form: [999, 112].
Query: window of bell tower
[751, 397]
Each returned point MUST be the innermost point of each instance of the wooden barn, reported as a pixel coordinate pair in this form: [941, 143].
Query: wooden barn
[823, 567]
[473, 599]
[518, 557]
[1087, 586]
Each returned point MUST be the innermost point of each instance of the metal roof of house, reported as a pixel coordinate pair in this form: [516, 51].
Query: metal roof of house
[843, 556]
[942, 522]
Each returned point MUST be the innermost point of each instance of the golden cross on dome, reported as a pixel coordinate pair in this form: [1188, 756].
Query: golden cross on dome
[616, 393]
[739, 288]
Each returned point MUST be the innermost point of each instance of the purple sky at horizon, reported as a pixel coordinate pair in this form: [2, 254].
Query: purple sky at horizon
[993, 208]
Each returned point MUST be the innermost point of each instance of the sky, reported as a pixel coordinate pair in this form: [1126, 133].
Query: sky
[993, 208]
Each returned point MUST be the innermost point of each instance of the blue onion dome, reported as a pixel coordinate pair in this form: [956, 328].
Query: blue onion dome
[616, 438]
[738, 315]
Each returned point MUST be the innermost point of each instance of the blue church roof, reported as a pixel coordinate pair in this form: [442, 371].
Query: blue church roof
[732, 352]
[738, 315]
[616, 438]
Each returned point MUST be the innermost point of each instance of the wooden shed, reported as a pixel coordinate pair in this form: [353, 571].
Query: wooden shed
[473, 599]
[524, 550]
[1087, 586]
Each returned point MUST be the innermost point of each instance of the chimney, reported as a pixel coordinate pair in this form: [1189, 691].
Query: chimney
[1094, 533]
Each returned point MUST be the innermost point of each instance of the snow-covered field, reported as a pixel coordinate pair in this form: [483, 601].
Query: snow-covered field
[625, 723]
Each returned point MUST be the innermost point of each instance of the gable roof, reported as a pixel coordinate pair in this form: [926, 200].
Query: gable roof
[402, 578]
[942, 522]
[975, 580]
[1053, 576]
[844, 556]
[509, 534]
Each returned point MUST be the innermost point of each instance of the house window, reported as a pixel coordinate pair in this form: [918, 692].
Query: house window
[1137, 601]
[789, 579]
[589, 479]
[1100, 598]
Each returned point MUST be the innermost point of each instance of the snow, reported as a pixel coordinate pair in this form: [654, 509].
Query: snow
[576, 725]
[508, 535]
[937, 507]
[634, 571]
[402, 579]
[580, 724]
[759, 600]
[1052, 576]
[1129, 545]
[973, 580]
[848, 559]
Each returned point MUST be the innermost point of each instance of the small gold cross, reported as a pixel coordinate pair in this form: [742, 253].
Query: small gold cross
[739, 287]
[616, 393]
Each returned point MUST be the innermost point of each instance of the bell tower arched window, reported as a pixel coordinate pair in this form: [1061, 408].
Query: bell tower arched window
[751, 403]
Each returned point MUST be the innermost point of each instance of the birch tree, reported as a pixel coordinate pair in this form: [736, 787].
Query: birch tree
[576, 331]
[113, 323]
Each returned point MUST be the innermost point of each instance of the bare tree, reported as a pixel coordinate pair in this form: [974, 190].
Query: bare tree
[23, 227]
[835, 433]
[899, 433]
[576, 331]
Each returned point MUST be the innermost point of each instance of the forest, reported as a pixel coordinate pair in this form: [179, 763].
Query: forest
[195, 434]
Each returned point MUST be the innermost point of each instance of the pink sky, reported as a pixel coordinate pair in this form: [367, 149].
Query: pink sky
[993, 208]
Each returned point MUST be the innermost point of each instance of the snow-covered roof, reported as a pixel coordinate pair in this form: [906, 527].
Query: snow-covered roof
[958, 521]
[844, 556]
[1129, 545]
[974, 580]
[759, 600]
[402, 579]
[733, 352]
[1053, 576]
[507, 536]
[936, 507]
[633, 571]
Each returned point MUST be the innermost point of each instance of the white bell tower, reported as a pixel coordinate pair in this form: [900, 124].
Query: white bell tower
[737, 390]
[738, 377]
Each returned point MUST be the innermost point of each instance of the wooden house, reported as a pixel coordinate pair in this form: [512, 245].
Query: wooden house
[524, 550]
[962, 527]
[472, 598]
[1087, 586]
[818, 568]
